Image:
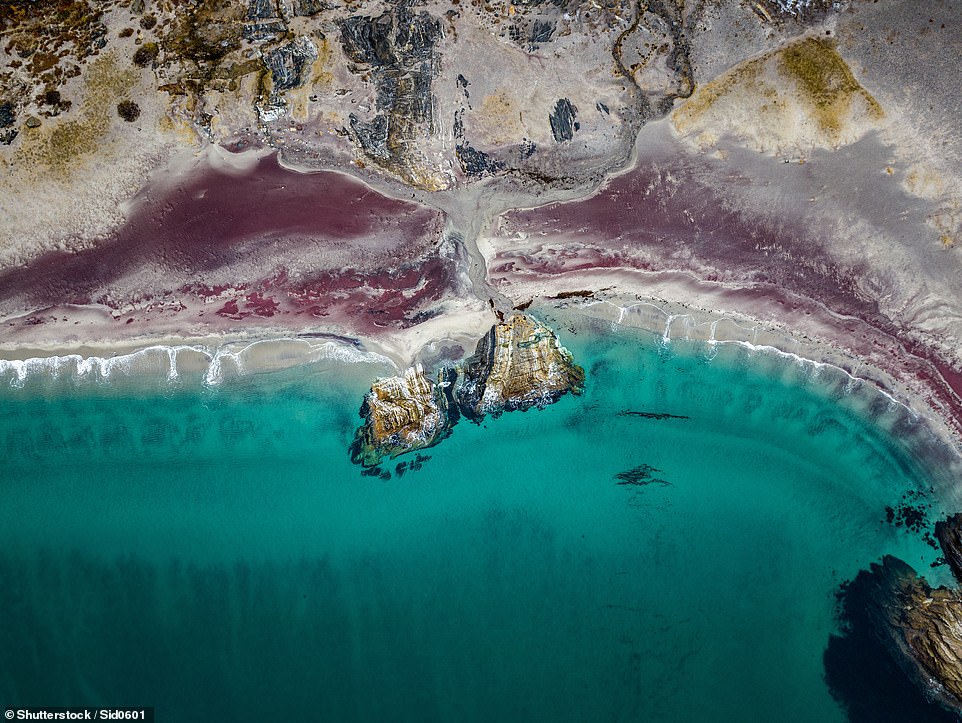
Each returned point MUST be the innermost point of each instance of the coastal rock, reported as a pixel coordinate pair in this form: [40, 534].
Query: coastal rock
[518, 364]
[921, 627]
[402, 414]
[949, 533]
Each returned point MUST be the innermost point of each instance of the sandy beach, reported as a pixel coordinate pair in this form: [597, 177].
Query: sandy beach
[822, 231]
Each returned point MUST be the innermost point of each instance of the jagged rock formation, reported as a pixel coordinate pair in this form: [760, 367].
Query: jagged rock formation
[429, 94]
[398, 50]
[949, 533]
[920, 626]
[402, 414]
[518, 364]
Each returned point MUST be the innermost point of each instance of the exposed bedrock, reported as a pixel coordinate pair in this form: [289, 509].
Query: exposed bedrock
[402, 414]
[949, 534]
[518, 364]
[919, 627]
[424, 92]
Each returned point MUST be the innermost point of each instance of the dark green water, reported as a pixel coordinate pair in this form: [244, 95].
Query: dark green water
[212, 552]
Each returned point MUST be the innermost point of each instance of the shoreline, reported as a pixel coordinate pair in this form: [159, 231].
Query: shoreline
[446, 338]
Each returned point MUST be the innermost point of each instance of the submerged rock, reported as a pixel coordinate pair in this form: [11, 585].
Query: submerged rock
[402, 414]
[518, 364]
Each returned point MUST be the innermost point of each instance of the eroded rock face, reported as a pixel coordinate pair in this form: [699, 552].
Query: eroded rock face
[422, 92]
[402, 414]
[518, 364]
[949, 533]
[920, 626]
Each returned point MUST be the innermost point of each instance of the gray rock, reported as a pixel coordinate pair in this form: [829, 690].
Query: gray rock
[288, 62]
[563, 124]
[7, 115]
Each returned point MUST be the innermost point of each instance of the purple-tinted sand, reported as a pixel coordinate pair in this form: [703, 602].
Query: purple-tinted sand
[772, 267]
[242, 248]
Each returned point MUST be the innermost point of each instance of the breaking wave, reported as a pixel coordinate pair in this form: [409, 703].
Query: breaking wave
[212, 365]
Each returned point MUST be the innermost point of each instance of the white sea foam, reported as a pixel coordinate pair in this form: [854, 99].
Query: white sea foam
[850, 384]
[860, 387]
[691, 331]
[215, 364]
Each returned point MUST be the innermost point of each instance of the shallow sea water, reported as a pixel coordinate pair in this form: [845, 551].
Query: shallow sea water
[212, 552]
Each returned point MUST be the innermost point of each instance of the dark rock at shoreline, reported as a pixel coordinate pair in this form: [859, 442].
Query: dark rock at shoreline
[919, 627]
[949, 534]
[865, 667]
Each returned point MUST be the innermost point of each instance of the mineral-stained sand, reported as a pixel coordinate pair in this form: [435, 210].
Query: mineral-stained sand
[824, 238]
[219, 251]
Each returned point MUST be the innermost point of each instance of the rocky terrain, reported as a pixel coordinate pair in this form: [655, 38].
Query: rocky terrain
[919, 627]
[403, 414]
[788, 163]
[518, 364]
[399, 175]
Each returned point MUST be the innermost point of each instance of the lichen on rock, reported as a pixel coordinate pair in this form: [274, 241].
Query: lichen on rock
[922, 628]
[919, 626]
[801, 97]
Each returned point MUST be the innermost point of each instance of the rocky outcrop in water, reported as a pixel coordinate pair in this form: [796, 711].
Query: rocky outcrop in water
[920, 627]
[402, 414]
[518, 364]
[949, 534]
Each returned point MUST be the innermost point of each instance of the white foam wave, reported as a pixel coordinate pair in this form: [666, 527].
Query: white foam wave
[859, 386]
[215, 364]
[740, 335]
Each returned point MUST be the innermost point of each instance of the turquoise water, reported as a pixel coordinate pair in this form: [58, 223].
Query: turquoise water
[212, 552]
